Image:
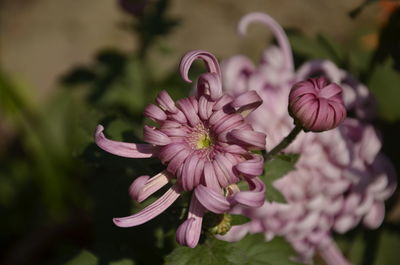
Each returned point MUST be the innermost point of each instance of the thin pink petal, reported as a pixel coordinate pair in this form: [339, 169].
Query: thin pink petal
[188, 233]
[254, 197]
[143, 187]
[247, 137]
[212, 200]
[150, 211]
[155, 113]
[252, 167]
[209, 84]
[247, 102]
[124, 149]
[190, 57]
[277, 30]
[165, 101]
[154, 136]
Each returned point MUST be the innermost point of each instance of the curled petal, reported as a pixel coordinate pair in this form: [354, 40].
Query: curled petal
[179, 116]
[222, 102]
[252, 167]
[312, 67]
[247, 102]
[165, 101]
[210, 179]
[190, 57]
[189, 171]
[123, 149]
[204, 108]
[175, 132]
[235, 149]
[277, 30]
[155, 113]
[344, 223]
[248, 137]
[143, 187]
[236, 71]
[187, 108]
[254, 197]
[209, 84]
[178, 160]
[370, 144]
[154, 136]
[375, 216]
[217, 117]
[137, 186]
[229, 123]
[226, 167]
[212, 200]
[188, 233]
[171, 150]
[150, 211]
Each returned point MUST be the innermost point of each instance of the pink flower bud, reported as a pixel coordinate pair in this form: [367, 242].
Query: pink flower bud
[316, 104]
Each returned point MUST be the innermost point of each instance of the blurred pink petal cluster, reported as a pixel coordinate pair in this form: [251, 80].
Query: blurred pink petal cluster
[205, 143]
[341, 179]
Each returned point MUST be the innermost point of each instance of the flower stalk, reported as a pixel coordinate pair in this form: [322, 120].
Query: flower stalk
[284, 143]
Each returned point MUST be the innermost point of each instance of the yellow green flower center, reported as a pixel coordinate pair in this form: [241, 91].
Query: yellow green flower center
[204, 141]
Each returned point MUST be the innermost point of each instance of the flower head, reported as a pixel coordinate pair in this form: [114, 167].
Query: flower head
[205, 144]
[341, 177]
[316, 104]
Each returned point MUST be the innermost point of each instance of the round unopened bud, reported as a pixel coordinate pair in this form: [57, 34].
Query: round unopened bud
[316, 104]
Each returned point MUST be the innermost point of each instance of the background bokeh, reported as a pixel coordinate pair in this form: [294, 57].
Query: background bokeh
[69, 65]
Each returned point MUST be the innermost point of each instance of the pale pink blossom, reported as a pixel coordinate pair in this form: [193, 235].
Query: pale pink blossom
[341, 178]
[205, 144]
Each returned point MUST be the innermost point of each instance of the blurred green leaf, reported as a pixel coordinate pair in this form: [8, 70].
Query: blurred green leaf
[259, 252]
[83, 258]
[322, 47]
[275, 169]
[237, 219]
[388, 249]
[252, 250]
[385, 85]
[212, 251]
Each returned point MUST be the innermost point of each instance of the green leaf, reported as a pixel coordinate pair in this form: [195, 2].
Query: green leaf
[212, 251]
[252, 250]
[237, 219]
[275, 169]
[259, 252]
[388, 249]
[384, 84]
[83, 258]
[372, 247]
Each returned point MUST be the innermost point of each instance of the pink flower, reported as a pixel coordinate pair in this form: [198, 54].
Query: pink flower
[356, 96]
[205, 144]
[317, 105]
[341, 178]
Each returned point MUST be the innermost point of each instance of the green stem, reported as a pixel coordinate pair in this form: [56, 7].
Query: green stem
[284, 143]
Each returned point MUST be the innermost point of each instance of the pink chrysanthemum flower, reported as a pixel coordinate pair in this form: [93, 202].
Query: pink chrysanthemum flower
[341, 178]
[205, 143]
